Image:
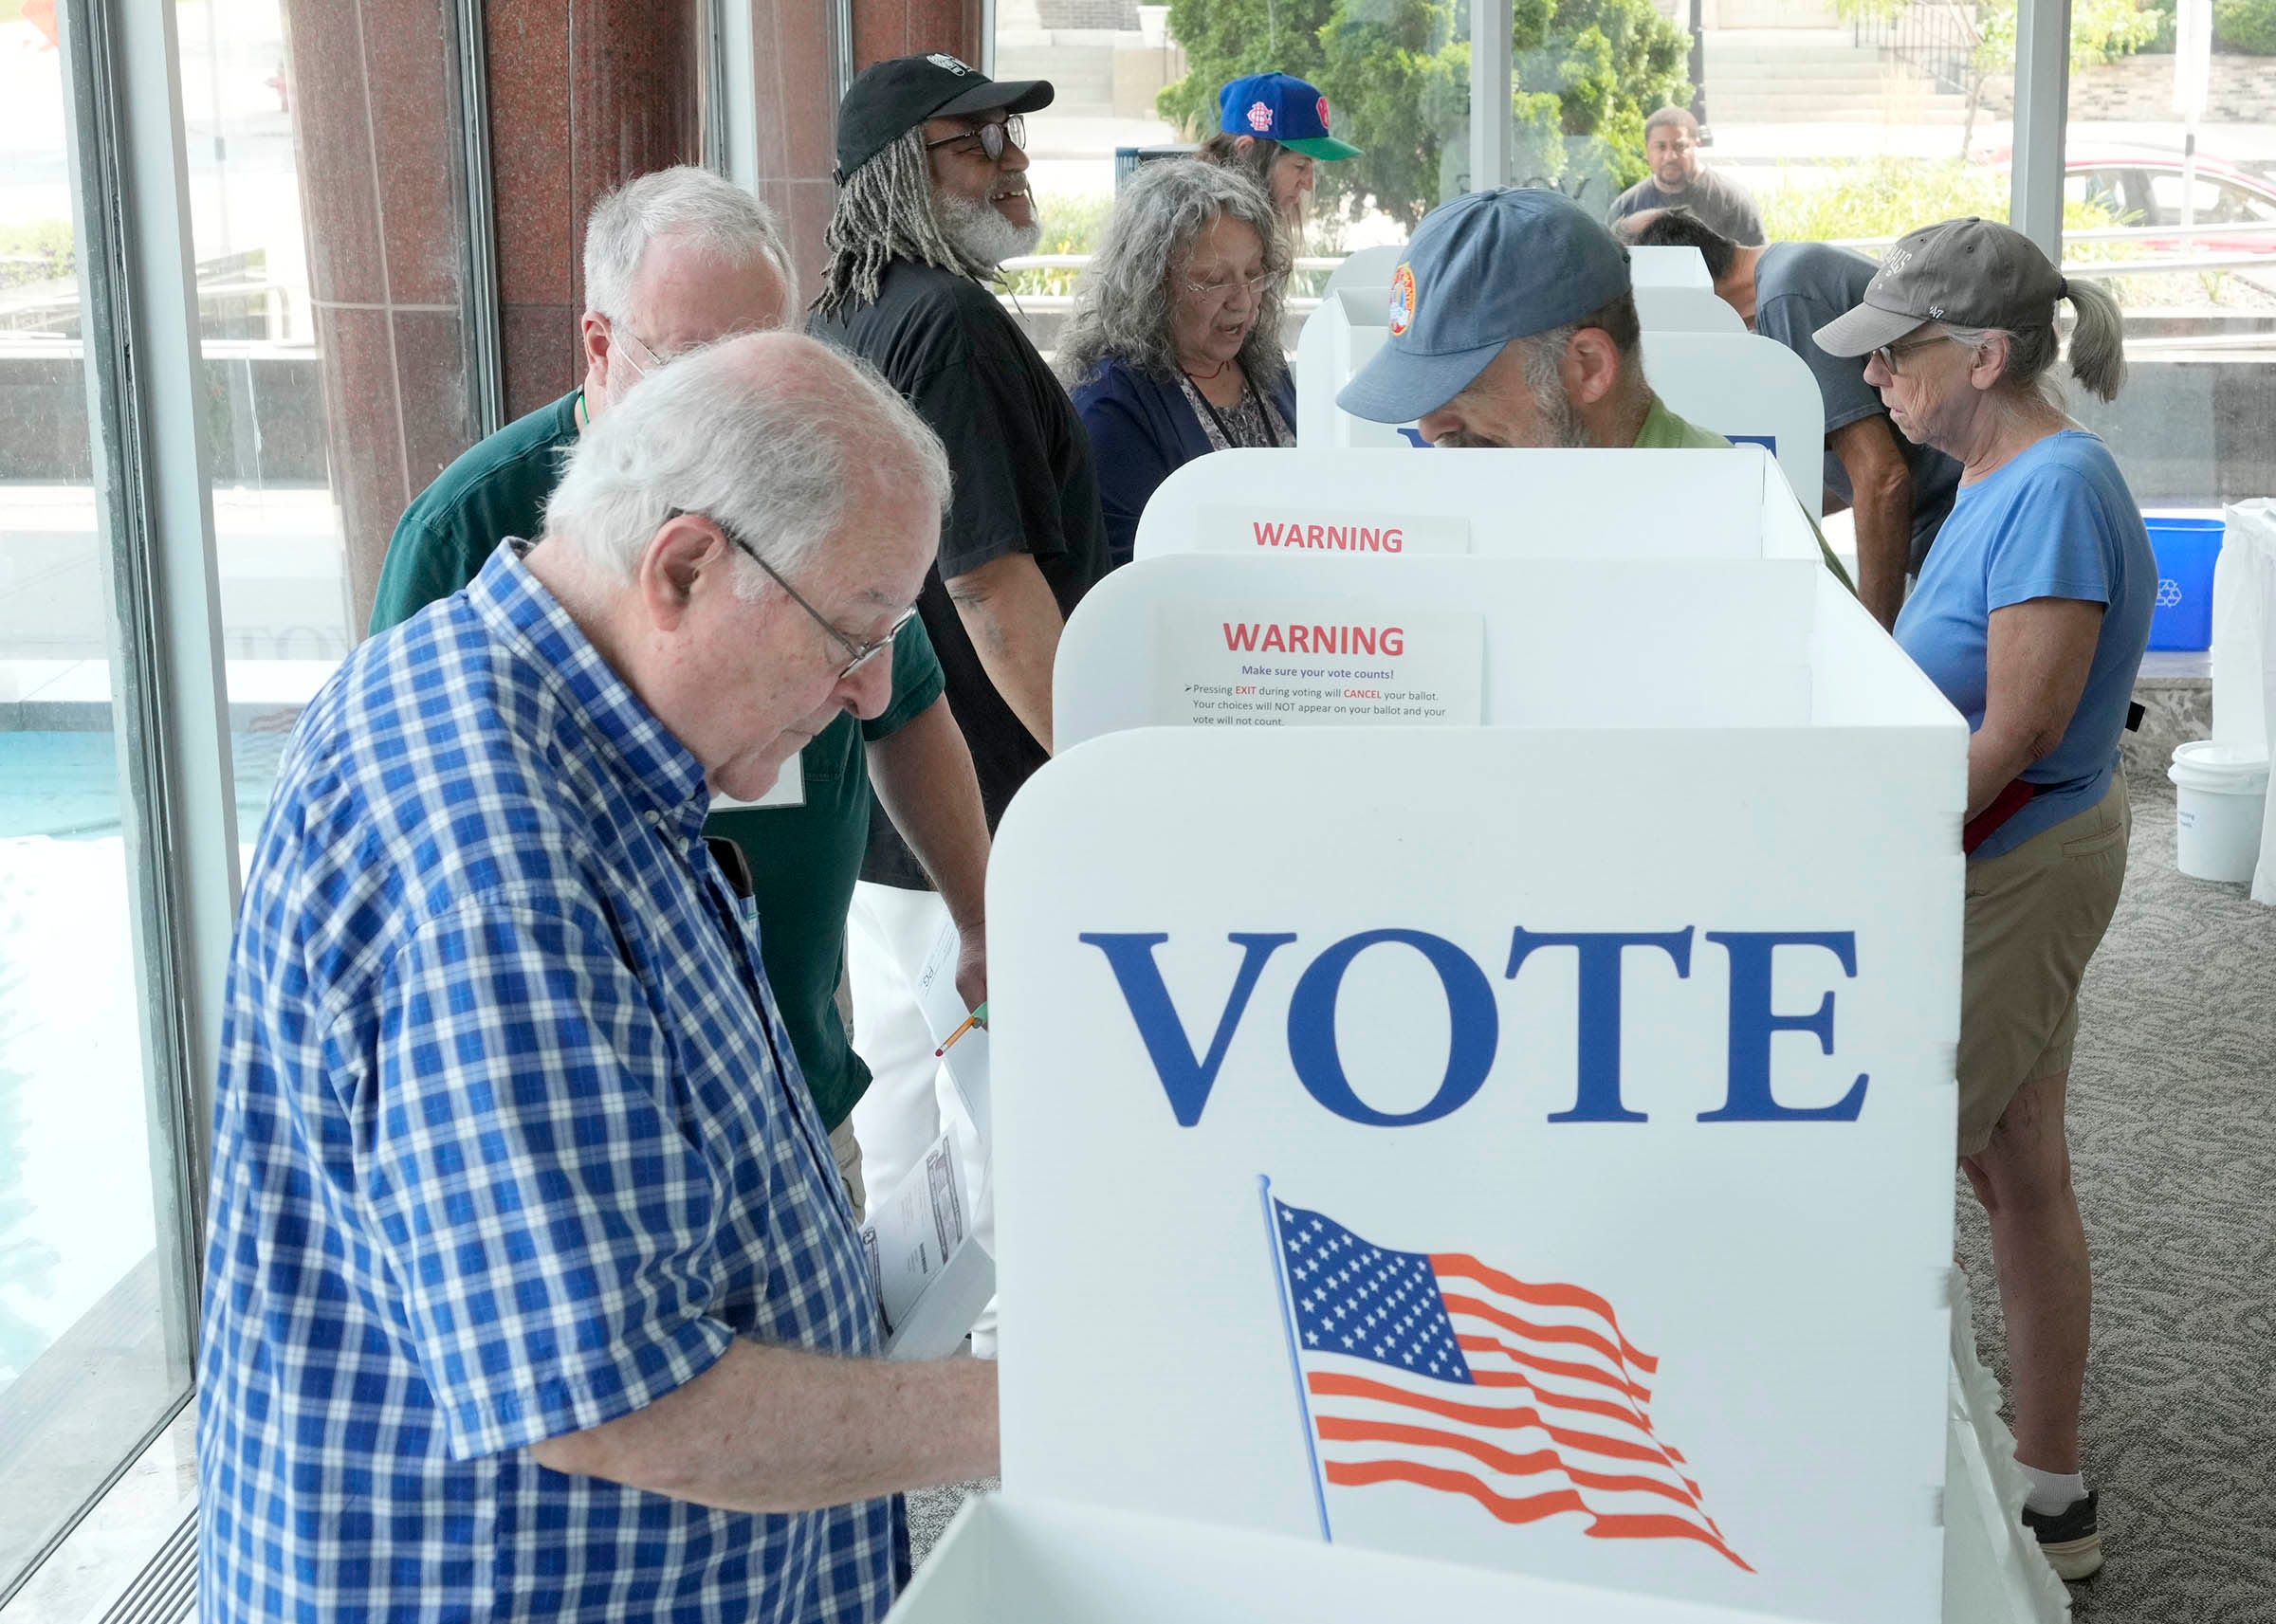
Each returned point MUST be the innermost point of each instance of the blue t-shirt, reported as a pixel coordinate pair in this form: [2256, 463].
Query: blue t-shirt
[2058, 521]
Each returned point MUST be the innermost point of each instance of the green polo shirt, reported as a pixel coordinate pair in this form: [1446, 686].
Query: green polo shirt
[803, 859]
[1664, 431]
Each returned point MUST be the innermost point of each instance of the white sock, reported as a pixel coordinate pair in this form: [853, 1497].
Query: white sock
[2053, 1491]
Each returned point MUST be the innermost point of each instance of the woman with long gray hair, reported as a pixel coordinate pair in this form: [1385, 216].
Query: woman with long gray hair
[1174, 347]
[2031, 615]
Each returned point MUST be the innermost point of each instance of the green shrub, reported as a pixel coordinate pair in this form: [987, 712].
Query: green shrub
[1585, 74]
[1889, 196]
[2247, 27]
[1074, 225]
[35, 250]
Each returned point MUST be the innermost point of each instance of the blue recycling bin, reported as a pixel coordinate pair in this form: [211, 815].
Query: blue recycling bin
[2186, 550]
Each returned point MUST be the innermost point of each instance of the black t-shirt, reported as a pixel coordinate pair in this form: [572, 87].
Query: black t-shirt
[1798, 288]
[1023, 484]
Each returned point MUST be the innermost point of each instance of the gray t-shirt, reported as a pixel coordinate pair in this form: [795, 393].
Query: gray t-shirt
[1725, 204]
[1798, 288]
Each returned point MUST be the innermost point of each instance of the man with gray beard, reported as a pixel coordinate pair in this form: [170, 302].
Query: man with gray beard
[932, 200]
[1513, 324]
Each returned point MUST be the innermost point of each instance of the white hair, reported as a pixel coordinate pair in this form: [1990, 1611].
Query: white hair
[2098, 347]
[776, 454]
[718, 219]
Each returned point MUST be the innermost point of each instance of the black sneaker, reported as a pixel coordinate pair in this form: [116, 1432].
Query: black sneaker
[2068, 1538]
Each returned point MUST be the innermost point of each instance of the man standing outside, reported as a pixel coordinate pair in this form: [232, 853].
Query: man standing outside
[1680, 180]
[1900, 491]
[675, 259]
[531, 1290]
[933, 199]
[1513, 324]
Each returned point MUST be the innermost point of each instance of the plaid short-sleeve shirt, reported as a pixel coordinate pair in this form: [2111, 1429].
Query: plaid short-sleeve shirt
[508, 1143]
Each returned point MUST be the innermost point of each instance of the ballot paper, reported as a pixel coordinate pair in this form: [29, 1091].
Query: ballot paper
[933, 1275]
[944, 1011]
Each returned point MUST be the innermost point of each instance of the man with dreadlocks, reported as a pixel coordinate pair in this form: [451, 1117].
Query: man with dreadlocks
[933, 199]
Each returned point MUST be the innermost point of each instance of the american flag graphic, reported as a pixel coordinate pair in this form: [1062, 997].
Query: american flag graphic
[1435, 1369]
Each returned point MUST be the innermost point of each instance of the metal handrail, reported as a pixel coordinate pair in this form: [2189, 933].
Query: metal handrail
[1868, 244]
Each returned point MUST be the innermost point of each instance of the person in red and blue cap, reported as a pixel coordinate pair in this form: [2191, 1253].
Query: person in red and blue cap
[1274, 127]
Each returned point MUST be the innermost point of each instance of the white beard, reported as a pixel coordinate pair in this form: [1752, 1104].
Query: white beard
[981, 231]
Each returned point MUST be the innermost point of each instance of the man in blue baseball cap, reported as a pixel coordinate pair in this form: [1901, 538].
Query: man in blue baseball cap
[1512, 324]
[1274, 127]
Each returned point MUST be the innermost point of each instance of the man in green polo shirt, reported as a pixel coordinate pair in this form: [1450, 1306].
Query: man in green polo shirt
[1513, 324]
[674, 260]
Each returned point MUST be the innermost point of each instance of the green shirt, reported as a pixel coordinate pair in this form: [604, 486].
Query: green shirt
[1664, 431]
[803, 859]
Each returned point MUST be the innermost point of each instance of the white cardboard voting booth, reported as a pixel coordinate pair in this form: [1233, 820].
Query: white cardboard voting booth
[1607, 1132]
[1738, 384]
[1014, 1560]
[1313, 503]
[1685, 310]
[1217, 640]
[1374, 267]
[1668, 267]
[1480, 1118]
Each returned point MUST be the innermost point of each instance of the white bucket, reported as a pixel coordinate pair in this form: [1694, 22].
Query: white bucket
[2220, 792]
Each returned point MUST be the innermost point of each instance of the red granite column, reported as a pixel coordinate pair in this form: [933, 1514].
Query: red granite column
[380, 164]
[584, 95]
[796, 73]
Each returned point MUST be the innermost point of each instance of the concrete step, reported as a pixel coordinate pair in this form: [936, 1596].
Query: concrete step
[1721, 112]
[1847, 67]
[1780, 38]
[1081, 76]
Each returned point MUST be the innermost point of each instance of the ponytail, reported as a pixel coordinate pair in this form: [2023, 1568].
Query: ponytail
[2098, 347]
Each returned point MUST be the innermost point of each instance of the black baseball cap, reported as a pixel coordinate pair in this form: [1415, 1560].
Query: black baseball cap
[889, 99]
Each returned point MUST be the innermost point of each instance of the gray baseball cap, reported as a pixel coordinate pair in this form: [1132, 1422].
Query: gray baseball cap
[1972, 273]
[1488, 268]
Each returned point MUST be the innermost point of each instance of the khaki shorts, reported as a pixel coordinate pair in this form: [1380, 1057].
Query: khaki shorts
[2035, 916]
[848, 1150]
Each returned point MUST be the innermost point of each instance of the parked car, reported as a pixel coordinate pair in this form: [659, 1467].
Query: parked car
[2145, 187]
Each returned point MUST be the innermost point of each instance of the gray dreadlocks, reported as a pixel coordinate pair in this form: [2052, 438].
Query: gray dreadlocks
[885, 212]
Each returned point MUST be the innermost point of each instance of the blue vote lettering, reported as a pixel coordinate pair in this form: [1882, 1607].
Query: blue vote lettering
[1188, 1077]
[1596, 1099]
[1474, 1025]
[1185, 1078]
[1753, 1025]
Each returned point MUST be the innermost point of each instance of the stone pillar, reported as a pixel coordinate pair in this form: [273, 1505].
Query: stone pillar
[584, 95]
[794, 67]
[381, 183]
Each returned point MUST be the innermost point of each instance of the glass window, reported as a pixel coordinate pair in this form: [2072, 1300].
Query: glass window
[1856, 121]
[91, 1359]
[2195, 423]
[326, 193]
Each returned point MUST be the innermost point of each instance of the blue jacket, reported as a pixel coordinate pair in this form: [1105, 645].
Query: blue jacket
[1142, 428]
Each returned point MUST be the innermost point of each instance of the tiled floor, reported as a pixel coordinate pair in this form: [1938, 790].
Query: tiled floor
[106, 1550]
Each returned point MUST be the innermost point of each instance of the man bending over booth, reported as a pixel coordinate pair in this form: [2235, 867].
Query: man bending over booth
[1513, 324]
[532, 1290]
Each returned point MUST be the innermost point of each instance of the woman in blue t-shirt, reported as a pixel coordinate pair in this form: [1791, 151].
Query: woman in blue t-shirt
[2031, 615]
[1173, 350]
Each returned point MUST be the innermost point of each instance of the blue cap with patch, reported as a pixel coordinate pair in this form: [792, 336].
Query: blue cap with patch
[1281, 107]
[1488, 268]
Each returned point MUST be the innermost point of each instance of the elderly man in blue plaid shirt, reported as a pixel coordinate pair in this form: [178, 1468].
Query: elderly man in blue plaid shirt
[532, 1290]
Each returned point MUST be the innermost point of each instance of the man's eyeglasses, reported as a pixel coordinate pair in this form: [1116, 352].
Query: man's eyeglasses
[1887, 354]
[989, 139]
[635, 347]
[862, 653]
[1220, 292]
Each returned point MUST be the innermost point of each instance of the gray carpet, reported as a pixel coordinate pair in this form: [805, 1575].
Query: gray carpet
[2173, 1129]
[2172, 1135]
